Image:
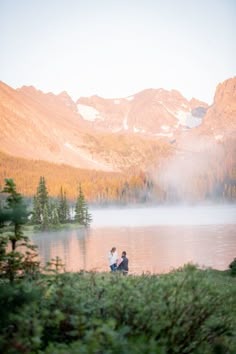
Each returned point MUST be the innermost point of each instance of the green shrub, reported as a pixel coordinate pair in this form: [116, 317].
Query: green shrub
[232, 267]
[20, 328]
[186, 311]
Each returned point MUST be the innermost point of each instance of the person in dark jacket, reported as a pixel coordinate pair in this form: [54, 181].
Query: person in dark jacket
[123, 266]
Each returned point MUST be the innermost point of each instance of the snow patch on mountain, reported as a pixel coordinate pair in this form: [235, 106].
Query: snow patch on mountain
[187, 119]
[181, 116]
[219, 137]
[130, 98]
[117, 101]
[165, 127]
[88, 113]
[68, 145]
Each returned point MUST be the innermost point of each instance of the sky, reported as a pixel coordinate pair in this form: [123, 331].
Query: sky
[116, 48]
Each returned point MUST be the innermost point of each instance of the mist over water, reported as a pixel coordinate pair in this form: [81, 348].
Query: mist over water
[156, 239]
[177, 215]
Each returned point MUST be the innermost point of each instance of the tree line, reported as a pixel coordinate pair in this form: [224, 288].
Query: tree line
[217, 181]
[17, 254]
[50, 213]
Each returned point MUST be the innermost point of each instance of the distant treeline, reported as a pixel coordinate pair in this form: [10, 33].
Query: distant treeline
[97, 186]
[216, 181]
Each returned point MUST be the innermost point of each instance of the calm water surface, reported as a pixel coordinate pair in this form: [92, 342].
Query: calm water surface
[156, 239]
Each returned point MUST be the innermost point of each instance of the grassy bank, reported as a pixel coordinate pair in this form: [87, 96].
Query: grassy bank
[186, 311]
[30, 230]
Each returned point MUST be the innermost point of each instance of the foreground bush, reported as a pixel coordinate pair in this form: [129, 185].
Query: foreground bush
[232, 267]
[186, 311]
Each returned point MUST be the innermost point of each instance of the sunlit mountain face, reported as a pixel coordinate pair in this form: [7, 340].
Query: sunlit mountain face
[157, 113]
[177, 143]
[220, 119]
[52, 127]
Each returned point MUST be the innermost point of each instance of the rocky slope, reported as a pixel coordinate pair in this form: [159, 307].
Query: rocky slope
[150, 112]
[42, 126]
[220, 119]
[109, 134]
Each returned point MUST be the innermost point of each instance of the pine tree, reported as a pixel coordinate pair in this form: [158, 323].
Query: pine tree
[36, 214]
[42, 193]
[82, 215]
[88, 218]
[66, 209]
[1, 214]
[45, 219]
[15, 212]
[39, 202]
[55, 218]
[80, 207]
[63, 209]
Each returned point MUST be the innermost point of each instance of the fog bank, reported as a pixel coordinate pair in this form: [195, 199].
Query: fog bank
[194, 172]
[179, 215]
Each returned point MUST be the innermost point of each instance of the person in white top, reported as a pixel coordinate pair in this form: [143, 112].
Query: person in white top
[112, 256]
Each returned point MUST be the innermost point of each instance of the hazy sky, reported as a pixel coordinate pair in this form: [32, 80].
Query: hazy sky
[114, 48]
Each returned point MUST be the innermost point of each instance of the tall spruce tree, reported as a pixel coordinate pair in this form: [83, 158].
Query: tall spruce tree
[88, 218]
[1, 214]
[82, 215]
[40, 203]
[42, 193]
[53, 214]
[55, 218]
[45, 218]
[36, 214]
[15, 212]
[63, 209]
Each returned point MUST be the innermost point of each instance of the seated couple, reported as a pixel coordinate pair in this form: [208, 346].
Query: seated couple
[118, 263]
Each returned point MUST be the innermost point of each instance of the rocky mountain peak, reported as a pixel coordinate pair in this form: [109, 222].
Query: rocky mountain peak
[155, 112]
[226, 91]
[84, 133]
[220, 119]
[67, 100]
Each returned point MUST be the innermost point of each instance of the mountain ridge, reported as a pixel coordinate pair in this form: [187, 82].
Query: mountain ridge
[89, 132]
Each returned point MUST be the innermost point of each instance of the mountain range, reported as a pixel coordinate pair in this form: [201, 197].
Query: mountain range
[110, 134]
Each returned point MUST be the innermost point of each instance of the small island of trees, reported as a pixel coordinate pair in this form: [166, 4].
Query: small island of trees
[49, 213]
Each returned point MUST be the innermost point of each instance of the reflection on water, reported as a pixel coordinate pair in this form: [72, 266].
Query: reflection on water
[156, 249]
[69, 245]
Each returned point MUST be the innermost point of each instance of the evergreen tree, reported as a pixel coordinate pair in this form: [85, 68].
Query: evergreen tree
[88, 218]
[45, 218]
[63, 209]
[66, 209]
[39, 202]
[15, 213]
[36, 214]
[42, 193]
[82, 215]
[1, 214]
[49, 209]
[55, 218]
